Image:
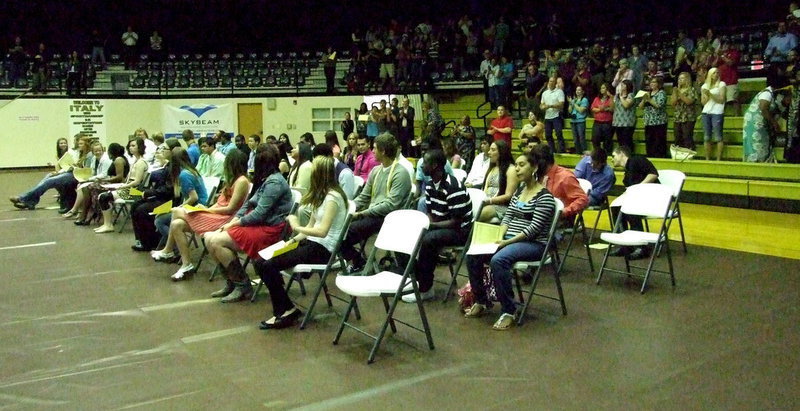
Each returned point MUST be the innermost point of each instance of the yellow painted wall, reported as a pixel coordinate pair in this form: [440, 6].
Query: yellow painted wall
[30, 127]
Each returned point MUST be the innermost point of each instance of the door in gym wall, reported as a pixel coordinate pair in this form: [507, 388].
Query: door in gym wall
[250, 119]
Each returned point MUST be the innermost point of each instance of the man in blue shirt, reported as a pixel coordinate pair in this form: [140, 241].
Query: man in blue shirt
[595, 168]
[780, 44]
[192, 148]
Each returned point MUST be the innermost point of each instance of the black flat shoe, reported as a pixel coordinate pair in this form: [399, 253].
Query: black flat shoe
[81, 222]
[285, 321]
[139, 247]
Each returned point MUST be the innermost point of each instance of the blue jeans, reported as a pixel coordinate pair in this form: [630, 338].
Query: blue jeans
[579, 136]
[162, 227]
[712, 127]
[501, 263]
[60, 182]
[556, 124]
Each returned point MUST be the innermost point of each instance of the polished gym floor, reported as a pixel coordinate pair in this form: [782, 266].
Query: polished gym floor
[88, 324]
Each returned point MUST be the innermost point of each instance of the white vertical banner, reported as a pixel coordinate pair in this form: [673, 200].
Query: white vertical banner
[203, 119]
[88, 117]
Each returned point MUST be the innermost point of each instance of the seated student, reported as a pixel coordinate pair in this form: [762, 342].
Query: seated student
[527, 225]
[387, 189]
[100, 164]
[596, 170]
[500, 182]
[451, 152]
[211, 162]
[191, 146]
[450, 211]
[638, 170]
[480, 165]
[343, 174]
[350, 152]
[116, 171]
[257, 225]
[63, 180]
[157, 192]
[534, 128]
[366, 159]
[300, 174]
[530, 144]
[200, 222]
[188, 188]
[562, 184]
[316, 240]
[252, 142]
[224, 143]
[105, 200]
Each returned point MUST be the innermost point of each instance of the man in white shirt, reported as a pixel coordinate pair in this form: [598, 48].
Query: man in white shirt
[129, 41]
[211, 162]
[552, 104]
[480, 165]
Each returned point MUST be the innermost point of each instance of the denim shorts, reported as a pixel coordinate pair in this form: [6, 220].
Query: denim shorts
[712, 127]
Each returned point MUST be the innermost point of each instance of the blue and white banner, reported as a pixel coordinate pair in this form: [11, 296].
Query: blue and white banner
[203, 119]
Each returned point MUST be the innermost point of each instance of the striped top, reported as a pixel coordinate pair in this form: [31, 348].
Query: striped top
[532, 218]
[448, 200]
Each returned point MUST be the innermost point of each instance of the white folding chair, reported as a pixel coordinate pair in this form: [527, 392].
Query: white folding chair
[476, 197]
[401, 232]
[579, 225]
[304, 271]
[549, 257]
[646, 201]
[675, 180]
[460, 174]
[212, 185]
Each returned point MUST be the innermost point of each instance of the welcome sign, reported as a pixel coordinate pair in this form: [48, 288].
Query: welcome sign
[88, 117]
[203, 119]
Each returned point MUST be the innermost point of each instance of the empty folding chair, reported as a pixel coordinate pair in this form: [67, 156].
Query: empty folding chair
[674, 179]
[122, 207]
[549, 257]
[579, 225]
[400, 233]
[645, 201]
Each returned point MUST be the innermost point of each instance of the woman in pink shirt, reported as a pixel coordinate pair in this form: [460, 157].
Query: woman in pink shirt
[603, 112]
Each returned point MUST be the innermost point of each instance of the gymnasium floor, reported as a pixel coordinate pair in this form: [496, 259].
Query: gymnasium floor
[88, 324]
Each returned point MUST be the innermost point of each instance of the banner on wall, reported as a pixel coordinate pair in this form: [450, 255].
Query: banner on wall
[203, 119]
[88, 117]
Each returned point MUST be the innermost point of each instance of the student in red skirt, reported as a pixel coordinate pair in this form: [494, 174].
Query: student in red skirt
[257, 225]
[229, 201]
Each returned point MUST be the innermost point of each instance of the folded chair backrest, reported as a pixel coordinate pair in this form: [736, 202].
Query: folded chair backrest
[673, 179]
[212, 186]
[476, 196]
[647, 200]
[401, 230]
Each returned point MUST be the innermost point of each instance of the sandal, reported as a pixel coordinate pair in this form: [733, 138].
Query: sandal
[504, 322]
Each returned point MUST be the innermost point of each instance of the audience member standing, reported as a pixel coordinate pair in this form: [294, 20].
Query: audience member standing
[552, 103]
[684, 98]
[712, 96]
[98, 49]
[654, 104]
[129, 41]
[780, 44]
[501, 127]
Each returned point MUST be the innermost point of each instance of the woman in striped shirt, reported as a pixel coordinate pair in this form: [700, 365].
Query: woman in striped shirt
[527, 225]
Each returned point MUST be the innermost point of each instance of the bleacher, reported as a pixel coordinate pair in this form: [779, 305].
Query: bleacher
[732, 183]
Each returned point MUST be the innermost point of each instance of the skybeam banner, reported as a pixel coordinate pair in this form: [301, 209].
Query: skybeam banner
[203, 119]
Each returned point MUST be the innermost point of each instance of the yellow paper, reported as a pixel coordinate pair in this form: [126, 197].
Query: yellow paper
[192, 209]
[66, 161]
[332, 56]
[82, 174]
[135, 192]
[640, 94]
[484, 238]
[163, 208]
[281, 247]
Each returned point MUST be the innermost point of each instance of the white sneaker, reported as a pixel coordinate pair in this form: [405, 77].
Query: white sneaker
[183, 273]
[427, 295]
[161, 255]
